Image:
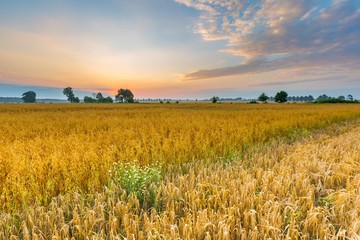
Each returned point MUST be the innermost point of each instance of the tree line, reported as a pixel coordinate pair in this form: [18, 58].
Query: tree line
[282, 97]
[123, 95]
[126, 96]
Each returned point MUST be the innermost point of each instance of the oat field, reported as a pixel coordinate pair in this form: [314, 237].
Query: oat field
[179, 171]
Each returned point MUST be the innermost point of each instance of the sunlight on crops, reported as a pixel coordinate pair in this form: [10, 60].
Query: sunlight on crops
[46, 150]
[308, 189]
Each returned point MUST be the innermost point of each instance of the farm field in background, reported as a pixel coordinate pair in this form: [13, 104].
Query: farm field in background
[70, 150]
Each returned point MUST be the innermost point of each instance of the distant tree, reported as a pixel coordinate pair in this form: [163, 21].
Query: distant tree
[215, 99]
[341, 97]
[124, 95]
[350, 97]
[68, 92]
[99, 99]
[281, 97]
[323, 97]
[89, 100]
[29, 97]
[263, 97]
[99, 96]
[107, 100]
[310, 98]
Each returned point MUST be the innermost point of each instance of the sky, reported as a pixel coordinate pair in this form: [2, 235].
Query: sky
[180, 48]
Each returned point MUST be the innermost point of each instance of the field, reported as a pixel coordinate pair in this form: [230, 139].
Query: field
[179, 171]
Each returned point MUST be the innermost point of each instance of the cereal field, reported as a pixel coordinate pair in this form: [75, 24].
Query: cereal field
[205, 171]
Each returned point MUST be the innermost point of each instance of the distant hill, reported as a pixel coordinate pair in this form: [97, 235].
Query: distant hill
[19, 100]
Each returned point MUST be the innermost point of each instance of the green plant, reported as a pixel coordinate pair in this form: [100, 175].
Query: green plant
[135, 179]
[325, 201]
[215, 99]
[298, 132]
[263, 97]
[281, 97]
[335, 100]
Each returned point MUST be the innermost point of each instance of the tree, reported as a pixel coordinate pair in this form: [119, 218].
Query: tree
[68, 92]
[108, 100]
[124, 95]
[105, 100]
[281, 97]
[99, 99]
[341, 97]
[215, 99]
[89, 100]
[323, 97]
[350, 97]
[99, 96]
[263, 97]
[29, 97]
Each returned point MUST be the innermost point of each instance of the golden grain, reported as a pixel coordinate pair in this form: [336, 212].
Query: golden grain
[303, 190]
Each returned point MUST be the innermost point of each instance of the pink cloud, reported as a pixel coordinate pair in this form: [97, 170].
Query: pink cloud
[306, 33]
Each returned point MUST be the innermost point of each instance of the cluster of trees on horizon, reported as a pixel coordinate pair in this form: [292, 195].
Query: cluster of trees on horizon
[282, 97]
[126, 96]
[123, 95]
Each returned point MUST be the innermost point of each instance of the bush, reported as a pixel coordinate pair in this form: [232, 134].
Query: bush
[215, 99]
[335, 100]
[137, 180]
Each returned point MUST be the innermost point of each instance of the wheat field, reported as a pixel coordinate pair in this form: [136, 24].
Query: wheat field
[227, 171]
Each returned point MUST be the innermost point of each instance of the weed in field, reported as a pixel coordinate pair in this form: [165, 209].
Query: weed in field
[135, 179]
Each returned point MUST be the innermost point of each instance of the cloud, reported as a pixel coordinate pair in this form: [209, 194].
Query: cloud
[293, 82]
[302, 32]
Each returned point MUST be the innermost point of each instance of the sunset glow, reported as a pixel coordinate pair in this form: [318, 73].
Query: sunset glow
[183, 48]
